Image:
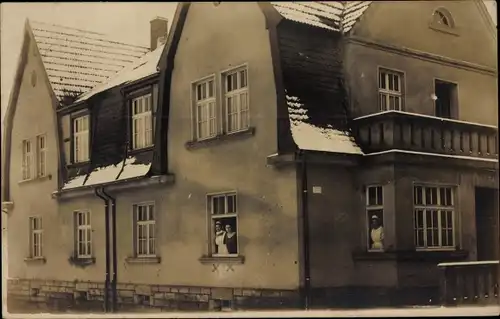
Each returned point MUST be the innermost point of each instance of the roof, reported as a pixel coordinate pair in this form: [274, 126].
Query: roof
[331, 15]
[142, 68]
[77, 60]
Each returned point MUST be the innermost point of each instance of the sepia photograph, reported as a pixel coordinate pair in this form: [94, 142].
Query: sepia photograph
[250, 159]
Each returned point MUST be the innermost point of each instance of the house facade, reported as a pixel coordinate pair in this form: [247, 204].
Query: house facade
[368, 155]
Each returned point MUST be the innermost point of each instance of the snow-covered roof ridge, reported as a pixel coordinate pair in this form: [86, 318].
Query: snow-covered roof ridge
[126, 169]
[77, 60]
[140, 69]
[331, 15]
[310, 137]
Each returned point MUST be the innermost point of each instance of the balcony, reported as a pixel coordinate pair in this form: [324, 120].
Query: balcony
[474, 282]
[396, 130]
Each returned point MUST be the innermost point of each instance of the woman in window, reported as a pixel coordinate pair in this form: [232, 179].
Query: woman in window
[377, 233]
[220, 235]
[231, 243]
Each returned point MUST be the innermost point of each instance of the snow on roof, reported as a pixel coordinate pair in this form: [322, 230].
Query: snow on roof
[78, 60]
[142, 68]
[313, 138]
[323, 14]
[125, 169]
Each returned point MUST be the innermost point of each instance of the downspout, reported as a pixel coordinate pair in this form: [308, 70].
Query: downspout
[106, 222]
[113, 249]
[305, 225]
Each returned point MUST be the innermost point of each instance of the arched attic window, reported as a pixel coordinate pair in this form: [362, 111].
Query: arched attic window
[442, 17]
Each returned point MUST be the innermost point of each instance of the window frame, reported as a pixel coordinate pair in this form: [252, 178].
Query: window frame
[87, 229]
[35, 253]
[28, 160]
[444, 14]
[211, 224]
[41, 165]
[369, 208]
[439, 208]
[225, 74]
[386, 92]
[73, 118]
[147, 223]
[151, 113]
[195, 104]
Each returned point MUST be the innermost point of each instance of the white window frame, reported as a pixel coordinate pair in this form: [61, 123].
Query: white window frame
[36, 236]
[147, 225]
[81, 138]
[438, 209]
[205, 108]
[83, 226]
[141, 110]
[212, 217]
[370, 208]
[241, 93]
[386, 93]
[41, 156]
[27, 160]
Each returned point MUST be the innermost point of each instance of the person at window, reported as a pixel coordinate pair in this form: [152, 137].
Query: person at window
[220, 235]
[230, 240]
[377, 233]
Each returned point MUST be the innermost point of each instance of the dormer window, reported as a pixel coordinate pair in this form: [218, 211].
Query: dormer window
[81, 139]
[142, 121]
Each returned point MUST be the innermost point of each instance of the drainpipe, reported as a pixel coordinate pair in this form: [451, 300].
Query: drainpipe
[106, 222]
[113, 249]
[305, 221]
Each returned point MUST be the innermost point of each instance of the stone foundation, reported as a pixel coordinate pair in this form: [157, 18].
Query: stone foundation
[89, 296]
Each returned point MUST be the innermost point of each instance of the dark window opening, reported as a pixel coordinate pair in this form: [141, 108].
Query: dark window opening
[445, 102]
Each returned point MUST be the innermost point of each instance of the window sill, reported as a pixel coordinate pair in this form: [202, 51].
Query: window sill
[412, 255]
[220, 139]
[205, 260]
[448, 30]
[79, 164]
[37, 260]
[36, 179]
[143, 260]
[81, 262]
[140, 150]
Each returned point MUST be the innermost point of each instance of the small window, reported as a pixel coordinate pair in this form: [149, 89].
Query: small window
[442, 17]
[390, 90]
[445, 99]
[36, 237]
[224, 224]
[144, 220]
[375, 217]
[27, 164]
[83, 234]
[236, 100]
[434, 217]
[81, 139]
[41, 142]
[205, 109]
[142, 122]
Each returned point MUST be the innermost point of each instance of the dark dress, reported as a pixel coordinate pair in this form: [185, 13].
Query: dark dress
[231, 244]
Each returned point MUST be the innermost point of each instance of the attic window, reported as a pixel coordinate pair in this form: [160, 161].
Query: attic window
[443, 18]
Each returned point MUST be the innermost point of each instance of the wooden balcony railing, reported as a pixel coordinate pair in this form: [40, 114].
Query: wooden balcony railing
[420, 133]
[474, 282]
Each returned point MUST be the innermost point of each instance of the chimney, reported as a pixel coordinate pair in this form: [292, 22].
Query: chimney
[159, 30]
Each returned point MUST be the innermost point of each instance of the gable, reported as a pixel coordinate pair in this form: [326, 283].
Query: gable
[408, 24]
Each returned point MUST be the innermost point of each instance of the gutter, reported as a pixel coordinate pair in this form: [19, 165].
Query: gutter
[106, 222]
[113, 249]
[306, 291]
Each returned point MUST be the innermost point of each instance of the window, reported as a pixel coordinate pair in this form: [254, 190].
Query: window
[81, 139]
[375, 217]
[205, 109]
[41, 142]
[236, 101]
[390, 91]
[445, 99]
[224, 228]
[142, 121]
[434, 217]
[36, 237]
[442, 17]
[144, 217]
[27, 165]
[83, 234]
